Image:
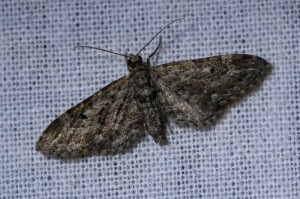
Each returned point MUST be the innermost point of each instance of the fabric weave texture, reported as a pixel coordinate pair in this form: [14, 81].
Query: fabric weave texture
[252, 152]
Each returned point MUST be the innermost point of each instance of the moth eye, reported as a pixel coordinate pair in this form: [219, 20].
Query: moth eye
[129, 62]
[140, 57]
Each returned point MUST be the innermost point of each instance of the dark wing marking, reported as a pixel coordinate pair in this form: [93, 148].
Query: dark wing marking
[106, 122]
[194, 91]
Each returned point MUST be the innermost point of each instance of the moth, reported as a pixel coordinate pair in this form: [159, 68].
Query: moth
[191, 92]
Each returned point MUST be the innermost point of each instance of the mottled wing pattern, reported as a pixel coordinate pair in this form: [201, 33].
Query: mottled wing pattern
[194, 91]
[105, 123]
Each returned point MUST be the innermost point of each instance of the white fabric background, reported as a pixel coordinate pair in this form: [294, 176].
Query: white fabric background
[253, 151]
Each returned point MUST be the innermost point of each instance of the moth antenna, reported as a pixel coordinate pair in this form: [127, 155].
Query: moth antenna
[102, 50]
[158, 34]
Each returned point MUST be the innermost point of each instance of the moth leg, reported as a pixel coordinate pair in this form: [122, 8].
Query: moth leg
[154, 52]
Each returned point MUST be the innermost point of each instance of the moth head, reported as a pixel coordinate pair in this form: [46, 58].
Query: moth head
[134, 61]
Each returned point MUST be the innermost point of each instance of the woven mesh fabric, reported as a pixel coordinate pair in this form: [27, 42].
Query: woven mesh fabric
[253, 151]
